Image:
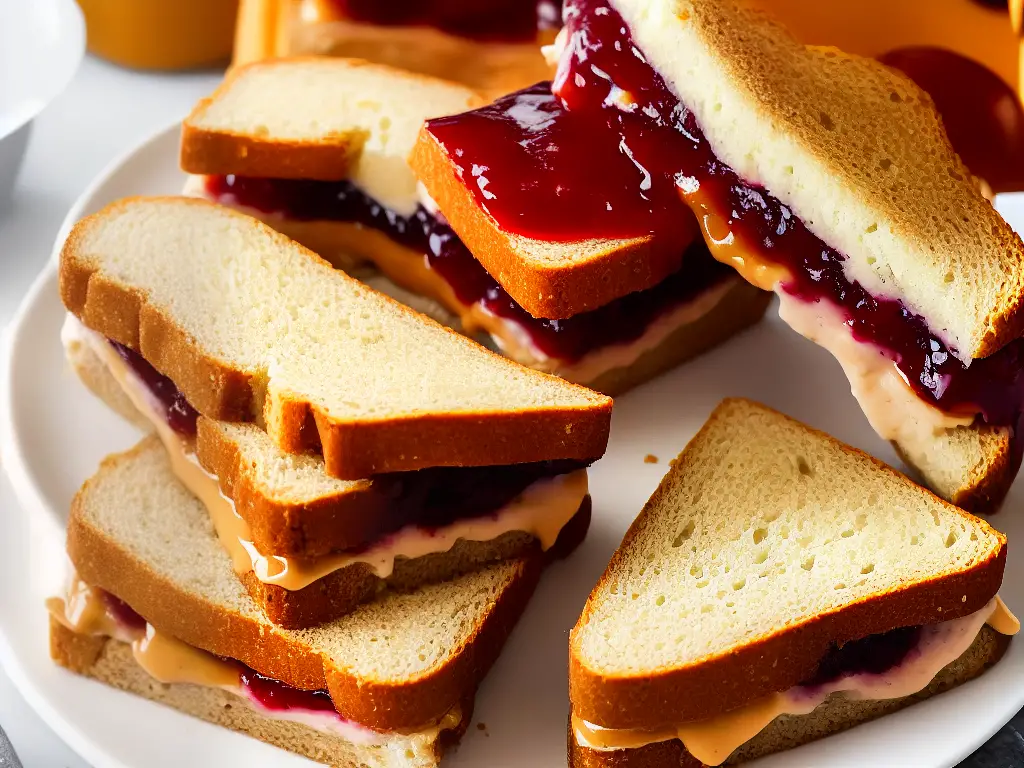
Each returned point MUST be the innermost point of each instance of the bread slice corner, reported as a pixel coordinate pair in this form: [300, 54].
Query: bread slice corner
[767, 540]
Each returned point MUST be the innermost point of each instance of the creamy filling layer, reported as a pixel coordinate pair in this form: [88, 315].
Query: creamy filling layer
[712, 741]
[542, 510]
[611, 340]
[86, 610]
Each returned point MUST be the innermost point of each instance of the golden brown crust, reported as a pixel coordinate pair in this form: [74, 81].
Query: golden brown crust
[837, 714]
[102, 562]
[342, 591]
[697, 692]
[589, 275]
[112, 662]
[981, 486]
[352, 449]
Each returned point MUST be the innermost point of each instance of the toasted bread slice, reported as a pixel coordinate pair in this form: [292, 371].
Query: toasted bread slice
[320, 119]
[252, 327]
[397, 663]
[769, 542]
[856, 150]
[112, 662]
[837, 714]
[548, 279]
[269, 29]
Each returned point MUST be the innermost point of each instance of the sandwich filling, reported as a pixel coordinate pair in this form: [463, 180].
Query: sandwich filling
[504, 20]
[892, 665]
[426, 514]
[421, 253]
[616, 107]
[87, 610]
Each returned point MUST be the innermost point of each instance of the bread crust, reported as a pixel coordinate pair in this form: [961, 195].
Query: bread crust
[352, 449]
[111, 662]
[385, 706]
[836, 715]
[778, 661]
[341, 592]
[589, 275]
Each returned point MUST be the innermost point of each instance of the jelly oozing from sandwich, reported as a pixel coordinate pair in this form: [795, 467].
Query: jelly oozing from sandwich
[605, 75]
[279, 697]
[619, 322]
[498, 20]
[874, 654]
[177, 410]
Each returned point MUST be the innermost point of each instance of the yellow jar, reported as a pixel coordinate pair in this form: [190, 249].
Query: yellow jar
[160, 34]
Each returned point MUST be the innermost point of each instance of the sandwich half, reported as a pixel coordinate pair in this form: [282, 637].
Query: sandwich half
[742, 618]
[607, 312]
[155, 610]
[309, 545]
[824, 177]
[494, 46]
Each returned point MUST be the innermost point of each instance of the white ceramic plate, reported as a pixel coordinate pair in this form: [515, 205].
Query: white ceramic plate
[53, 434]
[41, 46]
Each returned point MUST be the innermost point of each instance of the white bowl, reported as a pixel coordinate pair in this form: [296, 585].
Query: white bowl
[41, 45]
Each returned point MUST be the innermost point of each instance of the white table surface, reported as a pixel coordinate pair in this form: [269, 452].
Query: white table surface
[103, 113]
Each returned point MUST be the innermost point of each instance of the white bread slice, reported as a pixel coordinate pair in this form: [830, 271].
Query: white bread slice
[252, 327]
[856, 150]
[320, 118]
[398, 663]
[766, 543]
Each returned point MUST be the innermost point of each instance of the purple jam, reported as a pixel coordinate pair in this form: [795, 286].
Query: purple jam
[497, 20]
[873, 655]
[671, 153]
[180, 415]
[122, 612]
[619, 322]
[279, 697]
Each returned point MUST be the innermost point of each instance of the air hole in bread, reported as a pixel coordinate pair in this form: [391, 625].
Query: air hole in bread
[869, 568]
[951, 538]
[759, 535]
[885, 163]
[696, 571]
[872, 228]
[784, 531]
[660, 600]
[635, 595]
[738, 585]
[840, 586]
[847, 533]
[803, 467]
[683, 535]
[950, 277]
[707, 608]
[789, 169]
[808, 563]
[702, 583]
[895, 97]
[761, 556]
[861, 522]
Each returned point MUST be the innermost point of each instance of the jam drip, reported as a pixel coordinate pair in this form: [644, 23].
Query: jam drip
[619, 322]
[429, 499]
[678, 166]
[496, 20]
[872, 655]
[180, 415]
[279, 697]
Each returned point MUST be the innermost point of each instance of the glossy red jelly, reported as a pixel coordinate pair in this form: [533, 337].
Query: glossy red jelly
[279, 697]
[122, 612]
[663, 138]
[619, 322]
[546, 173]
[431, 498]
[505, 20]
[177, 410]
[982, 114]
[874, 655]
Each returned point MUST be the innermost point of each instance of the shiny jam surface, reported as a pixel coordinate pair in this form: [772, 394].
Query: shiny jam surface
[505, 20]
[544, 172]
[177, 410]
[663, 137]
[122, 612]
[429, 499]
[874, 655]
[277, 696]
[619, 322]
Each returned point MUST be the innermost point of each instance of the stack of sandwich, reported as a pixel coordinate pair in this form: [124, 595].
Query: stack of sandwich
[593, 286]
[342, 510]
